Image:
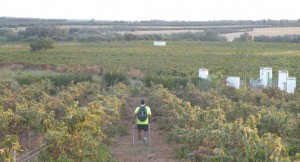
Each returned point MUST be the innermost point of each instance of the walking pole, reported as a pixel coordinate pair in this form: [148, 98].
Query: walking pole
[149, 135]
[133, 134]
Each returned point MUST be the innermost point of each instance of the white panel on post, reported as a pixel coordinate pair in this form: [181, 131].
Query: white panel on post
[291, 84]
[266, 76]
[282, 79]
[203, 73]
[233, 81]
[159, 43]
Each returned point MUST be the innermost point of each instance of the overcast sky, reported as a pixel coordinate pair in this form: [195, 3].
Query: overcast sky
[187, 10]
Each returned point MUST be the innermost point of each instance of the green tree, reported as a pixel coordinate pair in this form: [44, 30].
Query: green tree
[42, 44]
[245, 37]
[130, 37]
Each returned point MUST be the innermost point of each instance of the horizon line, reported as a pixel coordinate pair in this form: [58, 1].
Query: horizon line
[93, 19]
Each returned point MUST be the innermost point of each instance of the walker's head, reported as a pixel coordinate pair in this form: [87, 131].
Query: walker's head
[142, 101]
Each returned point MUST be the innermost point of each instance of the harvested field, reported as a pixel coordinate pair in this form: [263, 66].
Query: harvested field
[267, 32]
[163, 31]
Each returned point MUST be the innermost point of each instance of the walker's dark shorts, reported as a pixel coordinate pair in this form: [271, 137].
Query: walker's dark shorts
[142, 127]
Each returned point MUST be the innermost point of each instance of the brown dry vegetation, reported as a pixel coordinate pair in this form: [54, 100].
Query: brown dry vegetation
[136, 73]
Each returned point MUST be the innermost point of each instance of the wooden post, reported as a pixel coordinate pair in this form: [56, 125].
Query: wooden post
[245, 71]
[29, 139]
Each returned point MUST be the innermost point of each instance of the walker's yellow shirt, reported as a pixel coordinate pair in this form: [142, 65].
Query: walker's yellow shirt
[148, 113]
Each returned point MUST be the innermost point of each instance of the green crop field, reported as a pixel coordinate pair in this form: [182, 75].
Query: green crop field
[182, 58]
[68, 90]
[77, 117]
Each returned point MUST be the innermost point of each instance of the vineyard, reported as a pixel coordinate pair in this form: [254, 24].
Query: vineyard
[73, 100]
[240, 125]
[177, 59]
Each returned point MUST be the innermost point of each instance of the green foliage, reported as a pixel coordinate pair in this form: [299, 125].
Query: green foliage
[198, 97]
[178, 59]
[64, 80]
[182, 152]
[43, 32]
[169, 82]
[244, 38]
[111, 78]
[57, 79]
[84, 130]
[10, 143]
[225, 129]
[202, 83]
[209, 122]
[42, 44]
[11, 123]
[77, 122]
[279, 38]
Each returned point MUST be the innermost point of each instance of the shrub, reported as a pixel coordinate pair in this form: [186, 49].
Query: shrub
[202, 83]
[169, 82]
[111, 78]
[42, 44]
[58, 80]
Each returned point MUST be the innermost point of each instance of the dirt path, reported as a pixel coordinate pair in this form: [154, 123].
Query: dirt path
[157, 151]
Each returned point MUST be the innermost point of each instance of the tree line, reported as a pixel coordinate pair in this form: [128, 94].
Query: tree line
[88, 34]
[32, 34]
[13, 22]
[263, 38]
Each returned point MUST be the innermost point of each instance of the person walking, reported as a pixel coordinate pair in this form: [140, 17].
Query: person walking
[142, 115]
